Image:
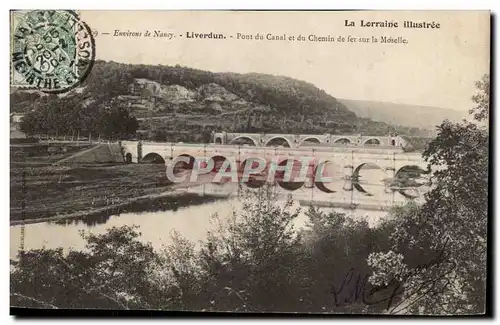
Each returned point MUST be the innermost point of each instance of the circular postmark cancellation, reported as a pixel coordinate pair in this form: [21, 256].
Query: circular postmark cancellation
[52, 50]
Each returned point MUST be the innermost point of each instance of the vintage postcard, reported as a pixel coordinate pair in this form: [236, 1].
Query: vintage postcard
[327, 162]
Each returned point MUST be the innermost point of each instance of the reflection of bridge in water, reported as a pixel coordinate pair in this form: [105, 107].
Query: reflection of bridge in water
[362, 176]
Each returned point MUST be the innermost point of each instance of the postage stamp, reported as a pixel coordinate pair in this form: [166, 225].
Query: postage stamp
[51, 50]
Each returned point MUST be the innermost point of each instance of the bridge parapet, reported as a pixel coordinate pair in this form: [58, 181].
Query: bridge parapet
[170, 150]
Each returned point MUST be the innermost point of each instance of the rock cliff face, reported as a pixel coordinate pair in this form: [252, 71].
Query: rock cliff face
[149, 95]
[212, 92]
[177, 94]
[171, 93]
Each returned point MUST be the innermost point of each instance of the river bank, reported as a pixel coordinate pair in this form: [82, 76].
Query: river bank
[149, 203]
[40, 189]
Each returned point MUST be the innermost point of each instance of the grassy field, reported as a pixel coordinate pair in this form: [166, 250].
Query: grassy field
[42, 189]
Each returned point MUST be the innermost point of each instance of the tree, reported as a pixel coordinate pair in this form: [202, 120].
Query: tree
[116, 122]
[113, 271]
[438, 252]
[32, 123]
[69, 115]
[249, 262]
[482, 99]
[254, 260]
[336, 248]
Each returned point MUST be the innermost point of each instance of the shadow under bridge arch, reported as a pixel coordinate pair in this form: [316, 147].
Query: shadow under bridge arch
[342, 141]
[289, 178]
[310, 141]
[329, 176]
[183, 162]
[368, 178]
[253, 172]
[372, 142]
[153, 158]
[278, 142]
[128, 158]
[411, 180]
[243, 140]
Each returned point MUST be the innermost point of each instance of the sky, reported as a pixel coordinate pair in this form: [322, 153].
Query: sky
[437, 67]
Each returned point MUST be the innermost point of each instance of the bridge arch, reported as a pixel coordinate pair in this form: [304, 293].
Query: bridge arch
[408, 181]
[153, 158]
[328, 176]
[183, 165]
[218, 161]
[372, 141]
[274, 142]
[254, 180]
[363, 186]
[290, 185]
[411, 169]
[128, 157]
[320, 185]
[342, 140]
[244, 138]
[314, 140]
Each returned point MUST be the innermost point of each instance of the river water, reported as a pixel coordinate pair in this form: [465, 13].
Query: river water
[156, 227]
[192, 221]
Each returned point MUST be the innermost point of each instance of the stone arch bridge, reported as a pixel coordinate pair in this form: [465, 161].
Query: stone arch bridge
[298, 140]
[377, 176]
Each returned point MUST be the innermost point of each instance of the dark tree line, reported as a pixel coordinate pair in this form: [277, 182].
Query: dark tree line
[71, 117]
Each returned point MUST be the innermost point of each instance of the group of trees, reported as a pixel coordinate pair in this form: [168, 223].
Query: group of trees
[450, 229]
[72, 117]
